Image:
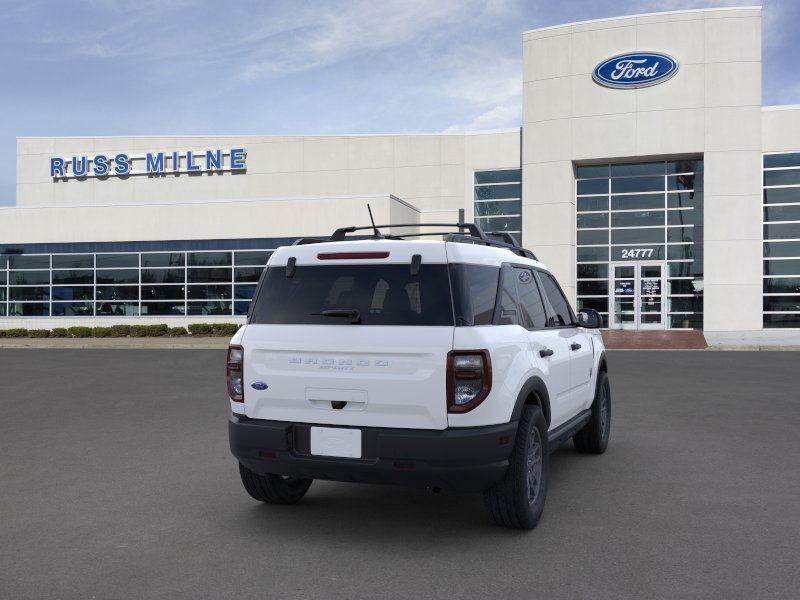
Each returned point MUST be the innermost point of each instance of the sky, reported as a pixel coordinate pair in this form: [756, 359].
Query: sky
[174, 67]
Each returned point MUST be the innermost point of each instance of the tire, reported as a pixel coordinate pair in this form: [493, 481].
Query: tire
[518, 500]
[593, 437]
[273, 489]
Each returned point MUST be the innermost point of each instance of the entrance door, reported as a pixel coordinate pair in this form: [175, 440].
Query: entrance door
[637, 290]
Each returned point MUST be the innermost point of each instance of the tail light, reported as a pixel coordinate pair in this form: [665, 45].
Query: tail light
[235, 373]
[469, 379]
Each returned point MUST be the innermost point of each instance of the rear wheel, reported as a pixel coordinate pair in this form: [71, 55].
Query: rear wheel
[518, 500]
[274, 489]
[593, 437]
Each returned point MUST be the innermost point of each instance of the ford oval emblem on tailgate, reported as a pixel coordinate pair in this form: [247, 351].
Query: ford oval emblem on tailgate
[259, 385]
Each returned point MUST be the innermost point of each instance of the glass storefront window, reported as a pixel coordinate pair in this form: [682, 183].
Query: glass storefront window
[163, 259]
[40, 261]
[73, 261]
[112, 261]
[209, 259]
[498, 201]
[781, 247]
[108, 284]
[639, 212]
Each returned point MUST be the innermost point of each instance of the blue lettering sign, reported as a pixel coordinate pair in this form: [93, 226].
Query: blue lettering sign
[635, 70]
[120, 164]
[213, 160]
[100, 164]
[79, 166]
[123, 165]
[237, 159]
[56, 167]
[190, 166]
[154, 163]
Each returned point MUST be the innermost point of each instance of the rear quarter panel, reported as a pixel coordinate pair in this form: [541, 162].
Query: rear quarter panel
[511, 366]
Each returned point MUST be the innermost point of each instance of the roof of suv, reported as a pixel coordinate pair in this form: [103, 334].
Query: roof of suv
[366, 251]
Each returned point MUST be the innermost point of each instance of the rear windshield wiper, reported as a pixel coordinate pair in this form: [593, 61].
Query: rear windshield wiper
[353, 315]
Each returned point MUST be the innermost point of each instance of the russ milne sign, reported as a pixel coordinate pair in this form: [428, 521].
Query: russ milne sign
[151, 163]
[635, 70]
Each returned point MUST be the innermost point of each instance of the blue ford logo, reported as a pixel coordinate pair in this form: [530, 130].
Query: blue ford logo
[259, 385]
[635, 70]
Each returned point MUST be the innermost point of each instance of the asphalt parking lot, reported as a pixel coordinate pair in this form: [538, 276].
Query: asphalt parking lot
[116, 482]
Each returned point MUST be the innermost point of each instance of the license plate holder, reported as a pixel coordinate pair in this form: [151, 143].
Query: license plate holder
[341, 442]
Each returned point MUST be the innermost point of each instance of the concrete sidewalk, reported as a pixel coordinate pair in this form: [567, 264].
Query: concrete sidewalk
[755, 340]
[152, 343]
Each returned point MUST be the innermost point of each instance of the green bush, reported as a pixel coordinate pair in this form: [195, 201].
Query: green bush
[101, 332]
[120, 330]
[177, 331]
[157, 330]
[2, 333]
[17, 332]
[80, 332]
[201, 329]
[226, 329]
[59, 332]
[38, 333]
[138, 331]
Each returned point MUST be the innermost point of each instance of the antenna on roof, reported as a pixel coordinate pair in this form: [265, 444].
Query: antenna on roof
[374, 228]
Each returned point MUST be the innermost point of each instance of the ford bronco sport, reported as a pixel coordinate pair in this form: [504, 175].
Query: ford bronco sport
[451, 364]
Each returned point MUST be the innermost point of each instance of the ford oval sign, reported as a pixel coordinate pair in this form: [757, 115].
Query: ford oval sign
[635, 70]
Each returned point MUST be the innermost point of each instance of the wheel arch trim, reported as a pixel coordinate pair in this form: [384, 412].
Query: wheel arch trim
[534, 385]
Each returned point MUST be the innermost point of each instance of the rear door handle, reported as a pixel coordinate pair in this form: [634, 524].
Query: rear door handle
[545, 352]
[575, 346]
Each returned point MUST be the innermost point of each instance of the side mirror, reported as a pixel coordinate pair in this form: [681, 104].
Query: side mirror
[590, 318]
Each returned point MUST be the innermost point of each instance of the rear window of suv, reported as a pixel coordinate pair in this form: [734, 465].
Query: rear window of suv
[386, 294]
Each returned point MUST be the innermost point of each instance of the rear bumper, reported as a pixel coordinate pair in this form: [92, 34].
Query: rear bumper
[467, 459]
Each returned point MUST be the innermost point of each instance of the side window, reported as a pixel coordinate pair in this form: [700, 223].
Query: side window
[474, 292]
[530, 300]
[508, 298]
[563, 313]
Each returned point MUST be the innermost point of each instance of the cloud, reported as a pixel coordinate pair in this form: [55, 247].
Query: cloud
[498, 117]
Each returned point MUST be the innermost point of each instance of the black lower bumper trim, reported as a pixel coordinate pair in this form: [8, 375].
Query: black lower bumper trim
[466, 459]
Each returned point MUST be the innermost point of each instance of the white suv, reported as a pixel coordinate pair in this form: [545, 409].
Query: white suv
[451, 364]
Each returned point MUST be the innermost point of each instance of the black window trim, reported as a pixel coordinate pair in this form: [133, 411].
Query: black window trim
[545, 302]
[551, 312]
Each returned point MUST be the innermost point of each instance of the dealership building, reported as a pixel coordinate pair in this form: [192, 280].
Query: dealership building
[645, 173]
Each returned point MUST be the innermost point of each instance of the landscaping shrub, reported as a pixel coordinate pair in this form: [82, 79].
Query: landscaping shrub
[177, 331]
[17, 332]
[138, 331]
[226, 329]
[80, 332]
[201, 329]
[120, 330]
[38, 333]
[101, 332]
[60, 332]
[157, 330]
[2, 333]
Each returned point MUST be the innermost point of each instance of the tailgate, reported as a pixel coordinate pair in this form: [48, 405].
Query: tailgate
[340, 375]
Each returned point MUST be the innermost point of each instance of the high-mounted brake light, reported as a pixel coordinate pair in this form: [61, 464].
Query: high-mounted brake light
[351, 255]
[469, 379]
[235, 373]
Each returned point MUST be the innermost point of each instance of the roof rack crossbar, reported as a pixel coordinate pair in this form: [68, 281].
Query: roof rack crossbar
[515, 248]
[341, 233]
[469, 233]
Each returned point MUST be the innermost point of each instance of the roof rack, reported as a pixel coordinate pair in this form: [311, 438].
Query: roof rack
[468, 233]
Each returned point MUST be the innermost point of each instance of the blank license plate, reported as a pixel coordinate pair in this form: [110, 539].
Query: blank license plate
[336, 441]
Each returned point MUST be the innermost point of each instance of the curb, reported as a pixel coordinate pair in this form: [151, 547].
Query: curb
[166, 343]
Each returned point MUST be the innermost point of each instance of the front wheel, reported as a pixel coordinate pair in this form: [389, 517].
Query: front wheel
[593, 437]
[518, 500]
[273, 489]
